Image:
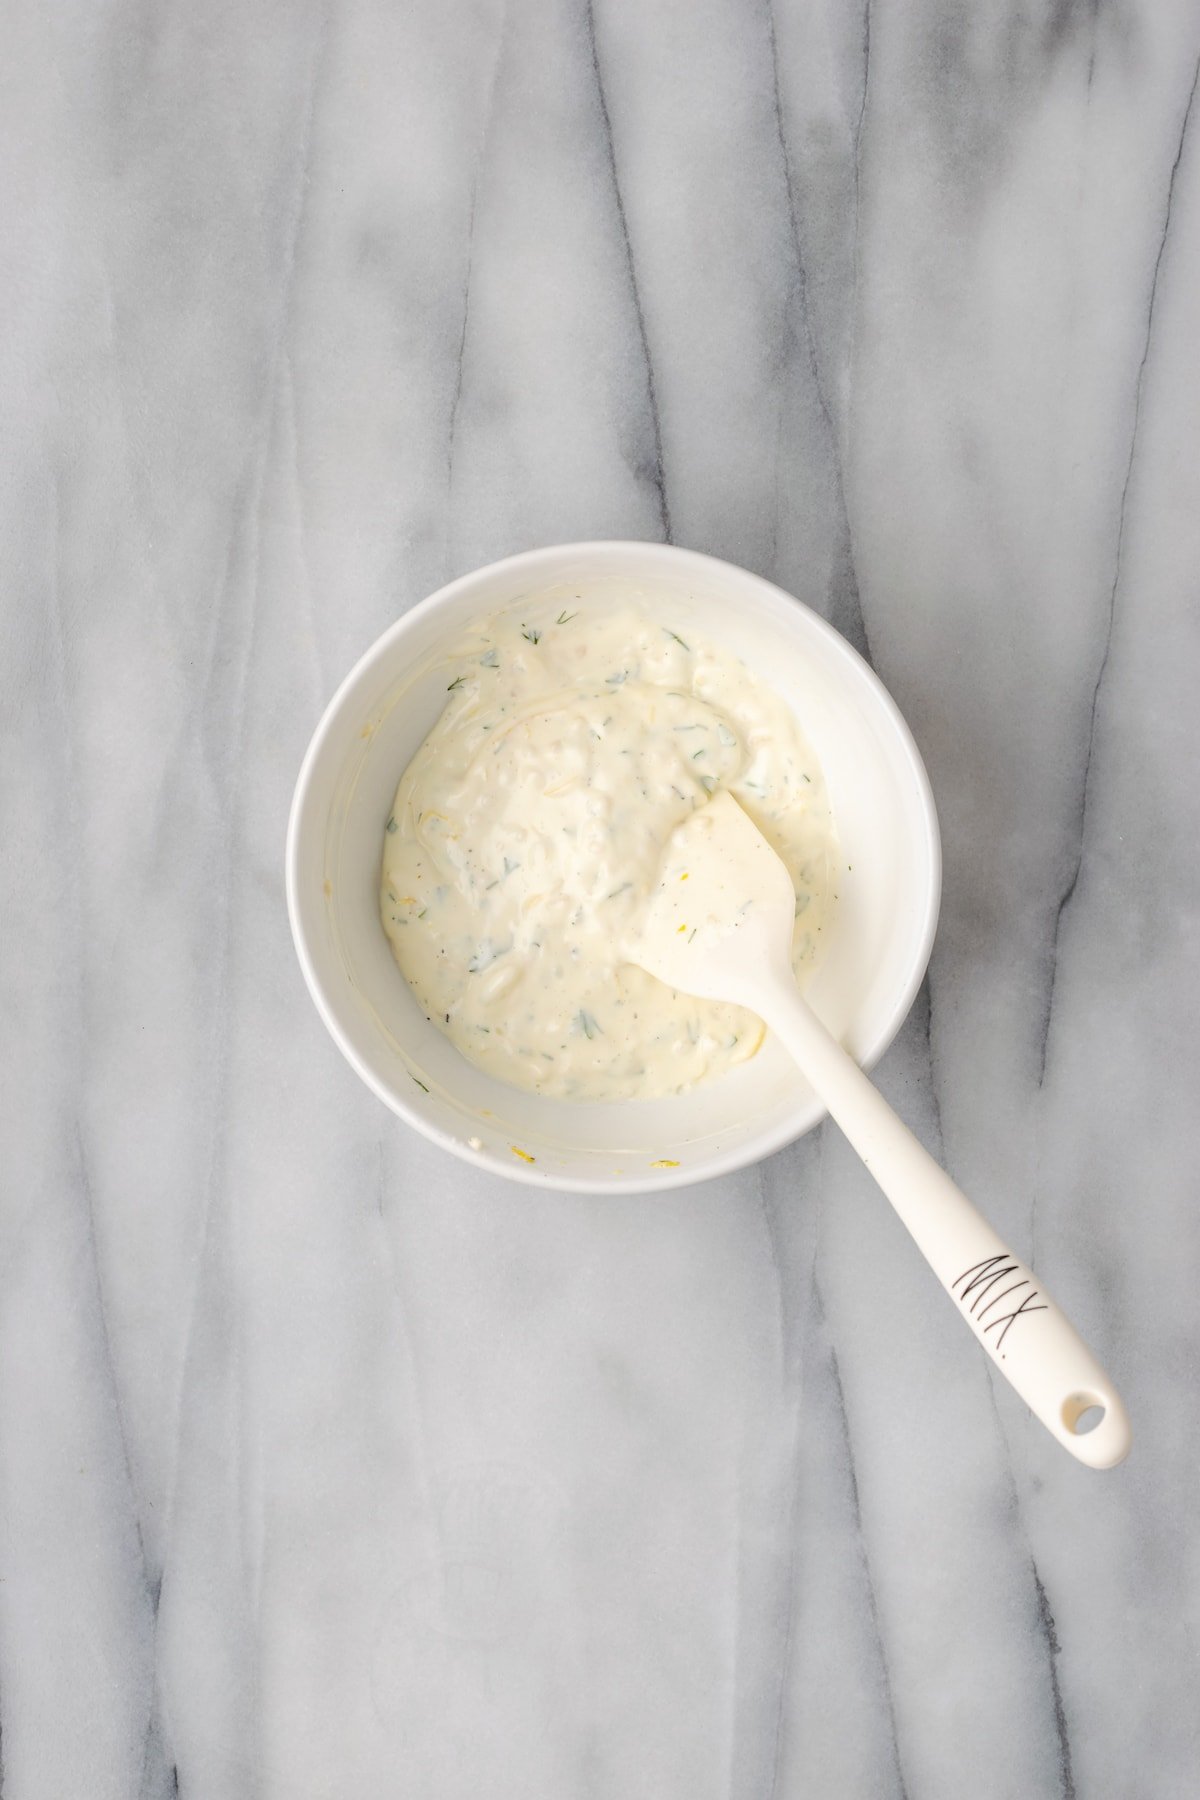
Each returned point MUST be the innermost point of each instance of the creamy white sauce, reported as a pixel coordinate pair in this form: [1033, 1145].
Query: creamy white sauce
[527, 832]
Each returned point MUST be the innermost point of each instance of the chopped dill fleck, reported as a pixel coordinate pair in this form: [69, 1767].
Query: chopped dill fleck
[392, 825]
[584, 1022]
[531, 634]
[486, 954]
[421, 1085]
[422, 912]
[509, 868]
[695, 929]
[564, 618]
[687, 728]
[696, 754]
[456, 683]
[491, 659]
[625, 885]
[678, 639]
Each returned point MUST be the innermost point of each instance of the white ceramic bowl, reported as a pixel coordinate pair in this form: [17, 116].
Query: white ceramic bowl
[882, 931]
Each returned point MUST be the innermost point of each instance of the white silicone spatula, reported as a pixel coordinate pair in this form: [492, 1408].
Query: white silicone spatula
[719, 925]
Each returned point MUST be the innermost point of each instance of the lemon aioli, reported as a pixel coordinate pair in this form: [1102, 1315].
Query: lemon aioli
[527, 831]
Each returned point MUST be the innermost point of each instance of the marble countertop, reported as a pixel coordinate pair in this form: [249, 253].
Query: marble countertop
[327, 1466]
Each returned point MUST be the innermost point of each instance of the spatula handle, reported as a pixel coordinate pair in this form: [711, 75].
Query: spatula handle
[1026, 1335]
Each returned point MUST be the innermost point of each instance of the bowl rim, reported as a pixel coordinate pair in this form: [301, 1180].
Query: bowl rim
[749, 1152]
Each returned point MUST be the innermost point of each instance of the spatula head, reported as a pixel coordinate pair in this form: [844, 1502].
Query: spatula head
[721, 917]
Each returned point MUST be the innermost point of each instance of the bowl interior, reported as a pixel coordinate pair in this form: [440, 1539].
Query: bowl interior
[880, 933]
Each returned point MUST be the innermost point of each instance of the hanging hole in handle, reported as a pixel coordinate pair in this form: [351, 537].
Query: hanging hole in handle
[1083, 1413]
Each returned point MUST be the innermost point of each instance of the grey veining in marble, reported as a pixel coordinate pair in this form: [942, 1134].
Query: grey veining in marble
[327, 1467]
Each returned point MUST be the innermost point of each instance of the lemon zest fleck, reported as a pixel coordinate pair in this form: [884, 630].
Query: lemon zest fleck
[664, 1162]
[523, 1154]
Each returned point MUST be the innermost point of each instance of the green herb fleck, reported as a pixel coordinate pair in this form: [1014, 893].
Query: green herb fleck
[564, 618]
[392, 825]
[491, 660]
[531, 634]
[509, 868]
[696, 754]
[678, 639]
[456, 683]
[422, 912]
[487, 954]
[692, 933]
[584, 1022]
[624, 887]
[421, 1085]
